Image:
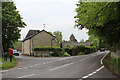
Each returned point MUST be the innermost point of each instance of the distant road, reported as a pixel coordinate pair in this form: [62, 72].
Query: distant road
[84, 66]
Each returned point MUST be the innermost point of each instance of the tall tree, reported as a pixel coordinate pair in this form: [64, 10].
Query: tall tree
[102, 19]
[58, 39]
[11, 24]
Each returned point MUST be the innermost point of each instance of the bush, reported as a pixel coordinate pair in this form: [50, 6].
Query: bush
[112, 63]
[66, 54]
[68, 50]
[57, 51]
[76, 50]
[85, 49]
[81, 53]
[68, 46]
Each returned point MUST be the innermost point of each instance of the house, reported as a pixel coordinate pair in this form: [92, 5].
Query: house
[19, 49]
[73, 42]
[36, 38]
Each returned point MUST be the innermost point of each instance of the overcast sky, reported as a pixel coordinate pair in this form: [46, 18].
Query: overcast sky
[58, 15]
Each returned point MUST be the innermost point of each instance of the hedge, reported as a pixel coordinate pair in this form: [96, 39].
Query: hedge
[80, 48]
[57, 51]
[49, 48]
[76, 50]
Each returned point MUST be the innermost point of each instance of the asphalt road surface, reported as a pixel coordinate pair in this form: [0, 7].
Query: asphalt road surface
[80, 67]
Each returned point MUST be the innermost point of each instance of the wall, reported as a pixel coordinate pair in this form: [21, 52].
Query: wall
[42, 39]
[26, 47]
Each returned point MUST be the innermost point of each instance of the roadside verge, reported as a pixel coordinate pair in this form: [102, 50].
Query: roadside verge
[7, 64]
[111, 65]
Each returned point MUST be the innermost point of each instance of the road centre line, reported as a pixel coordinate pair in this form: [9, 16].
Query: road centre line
[26, 76]
[32, 65]
[19, 68]
[60, 66]
[47, 63]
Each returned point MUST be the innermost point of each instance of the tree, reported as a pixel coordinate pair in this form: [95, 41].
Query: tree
[82, 40]
[50, 32]
[58, 39]
[17, 44]
[102, 20]
[11, 24]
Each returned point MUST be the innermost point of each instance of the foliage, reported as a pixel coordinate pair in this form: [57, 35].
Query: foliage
[47, 48]
[66, 54]
[7, 64]
[68, 46]
[50, 32]
[17, 44]
[11, 22]
[58, 36]
[70, 41]
[94, 41]
[80, 48]
[113, 64]
[101, 18]
[57, 51]
[82, 40]
[81, 53]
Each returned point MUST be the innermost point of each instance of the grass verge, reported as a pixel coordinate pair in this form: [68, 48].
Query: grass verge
[113, 64]
[7, 64]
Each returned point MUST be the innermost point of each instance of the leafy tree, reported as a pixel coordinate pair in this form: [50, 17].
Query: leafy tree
[11, 24]
[17, 44]
[82, 40]
[50, 32]
[102, 19]
[58, 39]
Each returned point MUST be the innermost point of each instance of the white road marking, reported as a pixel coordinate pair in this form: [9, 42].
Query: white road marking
[47, 62]
[25, 67]
[19, 68]
[30, 66]
[84, 59]
[44, 63]
[60, 66]
[93, 72]
[35, 64]
[102, 59]
[97, 69]
[26, 76]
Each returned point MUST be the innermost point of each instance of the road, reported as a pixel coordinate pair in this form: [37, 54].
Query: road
[78, 67]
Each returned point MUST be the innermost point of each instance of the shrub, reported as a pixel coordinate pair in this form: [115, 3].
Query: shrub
[68, 50]
[81, 48]
[81, 53]
[57, 51]
[66, 54]
[68, 46]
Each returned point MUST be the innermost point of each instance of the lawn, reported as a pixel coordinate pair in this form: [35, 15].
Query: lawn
[7, 64]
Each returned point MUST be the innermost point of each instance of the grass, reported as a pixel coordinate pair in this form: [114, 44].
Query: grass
[7, 64]
[113, 64]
